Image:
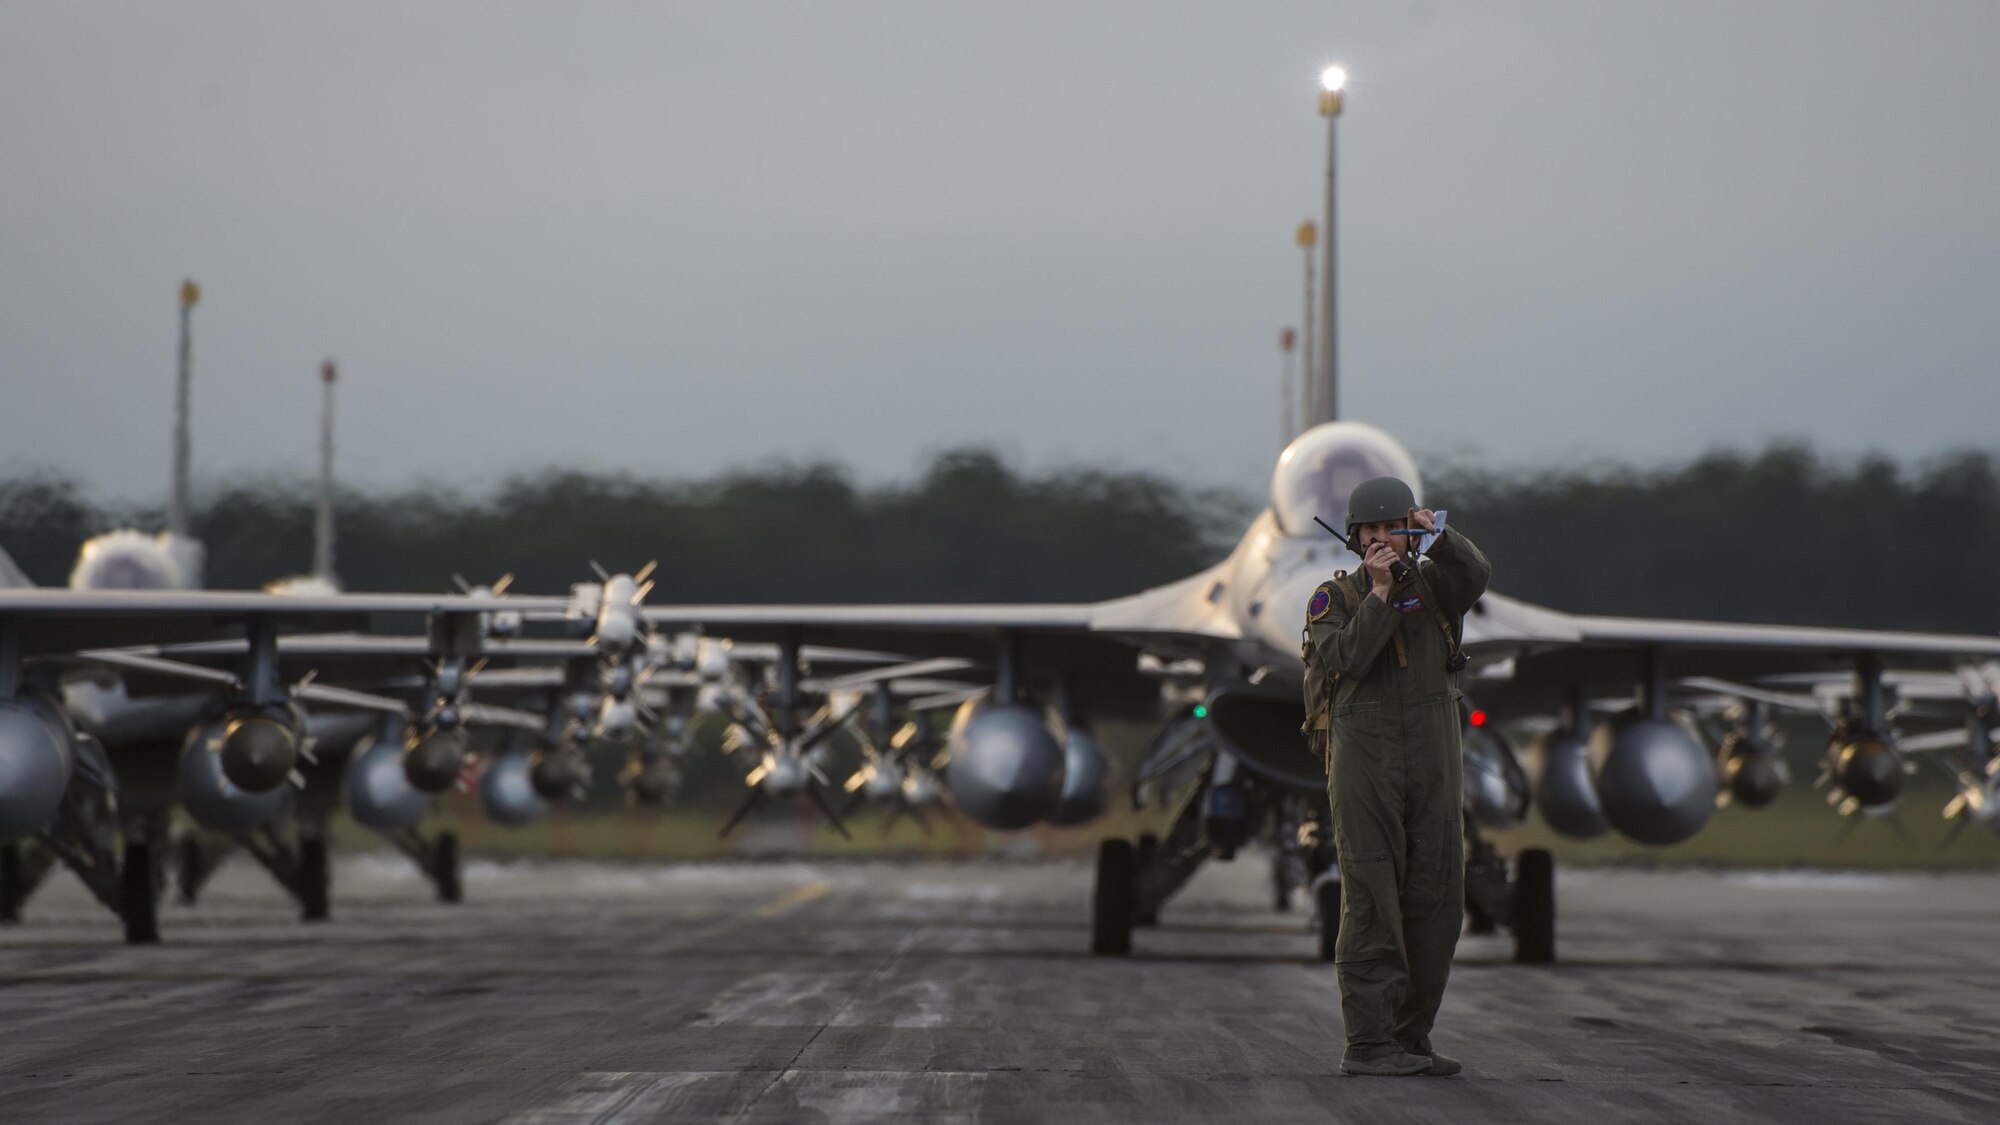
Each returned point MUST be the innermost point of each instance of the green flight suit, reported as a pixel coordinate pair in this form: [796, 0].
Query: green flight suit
[1395, 780]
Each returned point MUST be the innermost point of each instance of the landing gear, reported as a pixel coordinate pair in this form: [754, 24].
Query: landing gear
[1113, 899]
[1326, 899]
[1535, 907]
[138, 894]
[447, 869]
[315, 880]
[439, 859]
[196, 859]
[1146, 914]
[1525, 904]
[11, 881]
[1477, 920]
[22, 869]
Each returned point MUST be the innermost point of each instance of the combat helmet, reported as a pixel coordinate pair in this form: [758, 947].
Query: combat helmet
[1377, 501]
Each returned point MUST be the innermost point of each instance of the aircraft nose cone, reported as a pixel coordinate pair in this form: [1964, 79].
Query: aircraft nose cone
[1656, 783]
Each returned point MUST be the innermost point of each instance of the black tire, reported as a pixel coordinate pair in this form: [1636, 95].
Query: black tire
[1477, 921]
[1535, 907]
[138, 903]
[1147, 854]
[315, 881]
[1281, 900]
[13, 884]
[188, 872]
[449, 871]
[1327, 898]
[1112, 900]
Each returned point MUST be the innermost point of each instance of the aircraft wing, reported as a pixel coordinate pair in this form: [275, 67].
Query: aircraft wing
[44, 621]
[1533, 669]
[1717, 636]
[1094, 644]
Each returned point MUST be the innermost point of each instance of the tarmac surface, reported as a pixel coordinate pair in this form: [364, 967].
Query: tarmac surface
[836, 992]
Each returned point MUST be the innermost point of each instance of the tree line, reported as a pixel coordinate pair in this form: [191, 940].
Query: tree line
[1781, 535]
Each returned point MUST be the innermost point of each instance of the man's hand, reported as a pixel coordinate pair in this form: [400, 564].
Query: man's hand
[1425, 518]
[1378, 561]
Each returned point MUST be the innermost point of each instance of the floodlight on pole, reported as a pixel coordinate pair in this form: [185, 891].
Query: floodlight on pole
[178, 518]
[1322, 397]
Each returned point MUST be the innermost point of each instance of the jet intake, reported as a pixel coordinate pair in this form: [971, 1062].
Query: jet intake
[1006, 771]
[36, 759]
[1259, 726]
[1656, 782]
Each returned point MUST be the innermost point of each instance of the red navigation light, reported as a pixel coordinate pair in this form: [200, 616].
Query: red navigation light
[1477, 718]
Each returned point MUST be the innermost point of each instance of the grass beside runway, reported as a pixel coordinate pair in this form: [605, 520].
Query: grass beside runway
[1799, 830]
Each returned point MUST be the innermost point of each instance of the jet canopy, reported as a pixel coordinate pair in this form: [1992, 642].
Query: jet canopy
[1321, 466]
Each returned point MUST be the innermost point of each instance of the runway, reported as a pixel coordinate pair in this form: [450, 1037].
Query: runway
[960, 992]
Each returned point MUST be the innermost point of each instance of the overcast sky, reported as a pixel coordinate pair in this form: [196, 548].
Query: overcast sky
[669, 238]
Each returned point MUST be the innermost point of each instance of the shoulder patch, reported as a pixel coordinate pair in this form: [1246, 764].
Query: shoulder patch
[1322, 600]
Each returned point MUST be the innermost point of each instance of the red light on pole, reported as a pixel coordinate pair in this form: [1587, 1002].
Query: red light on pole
[1477, 718]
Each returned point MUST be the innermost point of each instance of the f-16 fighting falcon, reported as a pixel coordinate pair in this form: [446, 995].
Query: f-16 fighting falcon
[1221, 649]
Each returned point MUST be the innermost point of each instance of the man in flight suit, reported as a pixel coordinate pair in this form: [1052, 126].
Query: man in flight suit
[1394, 775]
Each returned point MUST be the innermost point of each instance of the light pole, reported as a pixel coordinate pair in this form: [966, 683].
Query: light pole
[1308, 237]
[323, 509]
[1325, 397]
[177, 498]
[1287, 397]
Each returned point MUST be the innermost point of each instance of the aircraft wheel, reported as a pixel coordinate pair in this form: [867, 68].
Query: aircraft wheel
[1327, 898]
[1113, 898]
[1477, 921]
[188, 874]
[315, 879]
[138, 903]
[1535, 907]
[1148, 854]
[13, 884]
[449, 870]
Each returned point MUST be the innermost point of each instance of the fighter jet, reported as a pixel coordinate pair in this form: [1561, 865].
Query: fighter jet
[1232, 632]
